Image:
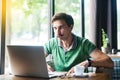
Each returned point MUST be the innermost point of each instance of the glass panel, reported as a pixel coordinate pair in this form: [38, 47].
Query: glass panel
[72, 7]
[27, 23]
[118, 23]
[87, 18]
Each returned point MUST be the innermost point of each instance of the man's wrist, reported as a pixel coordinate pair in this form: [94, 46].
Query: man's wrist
[89, 62]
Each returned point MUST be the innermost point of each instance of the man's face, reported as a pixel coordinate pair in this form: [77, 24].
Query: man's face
[61, 29]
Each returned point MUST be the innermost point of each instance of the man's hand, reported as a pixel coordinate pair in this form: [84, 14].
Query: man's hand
[70, 71]
[84, 63]
[50, 69]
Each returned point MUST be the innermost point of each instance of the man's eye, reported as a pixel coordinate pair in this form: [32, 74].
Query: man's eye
[61, 27]
[55, 28]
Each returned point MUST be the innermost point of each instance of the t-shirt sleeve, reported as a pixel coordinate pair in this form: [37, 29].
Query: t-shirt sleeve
[89, 46]
[49, 46]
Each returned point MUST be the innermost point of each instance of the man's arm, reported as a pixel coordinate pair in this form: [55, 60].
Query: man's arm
[50, 69]
[101, 59]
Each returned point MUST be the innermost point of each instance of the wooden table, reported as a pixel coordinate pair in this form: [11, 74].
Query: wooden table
[115, 55]
[92, 76]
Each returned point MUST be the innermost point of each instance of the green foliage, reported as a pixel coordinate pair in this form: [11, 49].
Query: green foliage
[28, 15]
[104, 38]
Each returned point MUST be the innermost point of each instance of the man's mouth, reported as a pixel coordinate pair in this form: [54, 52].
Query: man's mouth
[60, 35]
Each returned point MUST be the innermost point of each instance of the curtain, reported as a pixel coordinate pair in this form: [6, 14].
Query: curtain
[103, 16]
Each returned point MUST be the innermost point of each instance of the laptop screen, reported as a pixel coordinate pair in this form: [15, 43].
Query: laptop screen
[27, 61]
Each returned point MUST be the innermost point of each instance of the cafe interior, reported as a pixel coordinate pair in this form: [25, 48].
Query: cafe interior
[28, 22]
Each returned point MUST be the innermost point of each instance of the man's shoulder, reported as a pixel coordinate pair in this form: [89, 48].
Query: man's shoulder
[52, 43]
[53, 40]
[80, 39]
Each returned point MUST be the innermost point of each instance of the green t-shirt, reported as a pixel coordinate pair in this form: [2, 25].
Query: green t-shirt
[65, 60]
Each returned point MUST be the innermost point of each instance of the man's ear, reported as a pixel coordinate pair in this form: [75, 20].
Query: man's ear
[71, 26]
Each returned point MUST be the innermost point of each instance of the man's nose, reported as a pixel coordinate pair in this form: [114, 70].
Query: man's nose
[58, 31]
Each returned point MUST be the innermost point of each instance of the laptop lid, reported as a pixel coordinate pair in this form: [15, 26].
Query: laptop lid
[27, 61]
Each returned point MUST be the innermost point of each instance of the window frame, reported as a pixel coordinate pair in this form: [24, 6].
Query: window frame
[3, 30]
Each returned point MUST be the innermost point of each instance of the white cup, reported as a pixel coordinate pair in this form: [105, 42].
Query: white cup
[79, 70]
[94, 69]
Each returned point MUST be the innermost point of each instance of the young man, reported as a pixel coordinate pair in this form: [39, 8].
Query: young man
[69, 50]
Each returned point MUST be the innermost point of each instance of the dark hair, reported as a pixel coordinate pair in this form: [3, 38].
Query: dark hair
[63, 16]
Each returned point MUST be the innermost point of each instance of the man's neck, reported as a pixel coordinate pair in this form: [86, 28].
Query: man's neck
[67, 43]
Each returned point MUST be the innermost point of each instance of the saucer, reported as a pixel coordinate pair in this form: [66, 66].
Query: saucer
[81, 75]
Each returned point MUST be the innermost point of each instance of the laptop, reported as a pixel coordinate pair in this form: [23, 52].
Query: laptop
[29, 61]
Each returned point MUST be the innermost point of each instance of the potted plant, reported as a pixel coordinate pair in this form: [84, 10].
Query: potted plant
[105, 41]
[104, 38]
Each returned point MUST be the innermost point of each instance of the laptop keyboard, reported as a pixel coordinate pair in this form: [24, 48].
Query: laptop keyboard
[57, 73]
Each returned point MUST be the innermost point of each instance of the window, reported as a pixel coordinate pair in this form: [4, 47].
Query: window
[26, 23]
[87, 17]
[89, 20]
[72, 7]
[118, 23]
